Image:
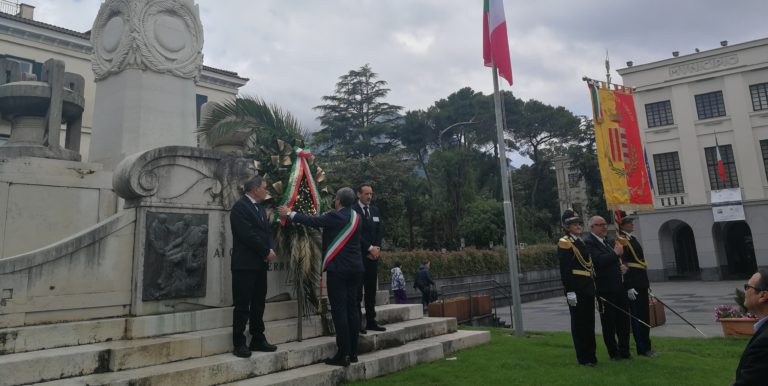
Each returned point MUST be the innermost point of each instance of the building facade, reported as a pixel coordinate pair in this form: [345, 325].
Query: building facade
[685, 106]
[31, 43]
[571, 187]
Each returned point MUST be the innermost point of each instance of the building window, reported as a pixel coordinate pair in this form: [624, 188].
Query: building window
[200, 100]
[764, 150]
[710, 105]
[573, 179]
[669, 178]
[731, 179]
[659, 114]
[759, 96]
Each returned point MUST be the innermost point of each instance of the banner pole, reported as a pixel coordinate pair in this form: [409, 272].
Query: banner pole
[509, 213]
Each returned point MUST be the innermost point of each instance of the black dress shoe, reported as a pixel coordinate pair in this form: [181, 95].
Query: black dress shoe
[590, 364]
[375, 327]
[650, 354]
[242, 352]
[344, 361]
[363, 331]
[262, 345]
[353, 359]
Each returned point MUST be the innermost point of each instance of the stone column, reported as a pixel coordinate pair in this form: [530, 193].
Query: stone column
[147, 58]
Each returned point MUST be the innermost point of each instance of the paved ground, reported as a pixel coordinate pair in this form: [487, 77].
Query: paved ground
[694, 300]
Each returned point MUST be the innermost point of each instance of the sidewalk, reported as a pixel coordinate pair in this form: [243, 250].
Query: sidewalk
[694, 300]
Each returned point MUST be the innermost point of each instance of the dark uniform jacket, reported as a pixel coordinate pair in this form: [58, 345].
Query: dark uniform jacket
[607, 273]
[251, 235]
[349, 258]
[637, 276]
[753, 366]
[572, 270]
[371, 228]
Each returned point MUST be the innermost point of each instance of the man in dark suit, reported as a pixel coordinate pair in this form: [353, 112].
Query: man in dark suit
[609, 271]
[253, 247]
[370, 246]
[344, 264]
[577, 274]
[635, 283]
[753, 366]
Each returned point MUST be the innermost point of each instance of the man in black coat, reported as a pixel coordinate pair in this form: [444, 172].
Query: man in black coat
[635, 283]
[609, 271]
[753, 366]
[253, 247]
[577, 274]
[343, 262]
[370, 246]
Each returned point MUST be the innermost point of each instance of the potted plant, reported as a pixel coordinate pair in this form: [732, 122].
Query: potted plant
[736, 321]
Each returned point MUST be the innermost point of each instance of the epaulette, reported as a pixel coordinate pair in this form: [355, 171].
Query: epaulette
[564, 243]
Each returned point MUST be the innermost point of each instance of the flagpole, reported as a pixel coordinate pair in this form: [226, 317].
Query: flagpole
[509, 213]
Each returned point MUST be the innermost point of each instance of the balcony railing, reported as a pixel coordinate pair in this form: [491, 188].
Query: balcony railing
[10, 7]
[671, 200]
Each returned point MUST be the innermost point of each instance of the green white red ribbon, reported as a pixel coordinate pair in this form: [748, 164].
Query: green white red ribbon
[342, 238]
[299, 171]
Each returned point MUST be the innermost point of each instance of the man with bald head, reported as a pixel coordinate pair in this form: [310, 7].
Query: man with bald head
[753, 366]
[609, 271]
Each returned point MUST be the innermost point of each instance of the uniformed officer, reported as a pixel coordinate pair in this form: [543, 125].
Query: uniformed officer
[577, 273]
[635, 282]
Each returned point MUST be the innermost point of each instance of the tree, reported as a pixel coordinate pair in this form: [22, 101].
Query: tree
[355, 120]
[537, 126]
[264, 122]
[583, 157]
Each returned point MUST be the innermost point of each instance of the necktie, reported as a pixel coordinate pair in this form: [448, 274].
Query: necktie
[366, 212]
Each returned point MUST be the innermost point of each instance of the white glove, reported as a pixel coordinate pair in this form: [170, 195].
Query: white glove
[632, 294]
[571, 297]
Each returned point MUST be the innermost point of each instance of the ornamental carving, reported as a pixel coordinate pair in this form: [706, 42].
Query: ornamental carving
[164, 36]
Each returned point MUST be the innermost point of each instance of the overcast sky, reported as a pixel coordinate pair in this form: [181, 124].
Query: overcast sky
[293, 51]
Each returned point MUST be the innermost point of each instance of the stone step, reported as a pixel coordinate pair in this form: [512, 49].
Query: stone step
[374, 364]
[128, 354]
[223, 368]
[31, 338]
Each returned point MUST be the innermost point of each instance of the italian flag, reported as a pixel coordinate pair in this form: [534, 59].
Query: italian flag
[495, 45]
[720, 165]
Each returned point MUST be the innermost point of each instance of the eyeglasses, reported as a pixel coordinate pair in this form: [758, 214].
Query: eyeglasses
[600, 225]
[747, 286]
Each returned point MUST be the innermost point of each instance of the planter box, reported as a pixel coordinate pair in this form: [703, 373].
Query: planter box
[456, 307]
[481, 305]
[738, 326]
[656, 314]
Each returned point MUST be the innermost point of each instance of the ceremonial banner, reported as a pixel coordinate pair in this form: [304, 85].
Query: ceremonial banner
[620, 152]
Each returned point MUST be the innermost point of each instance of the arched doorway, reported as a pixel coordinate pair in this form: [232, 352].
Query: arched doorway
[678, 250]
[739, 250]
[686, 257]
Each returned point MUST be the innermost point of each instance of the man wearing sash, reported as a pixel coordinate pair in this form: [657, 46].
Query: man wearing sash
[635, 282]
[612, 297]
[576, 272]
[344, 266]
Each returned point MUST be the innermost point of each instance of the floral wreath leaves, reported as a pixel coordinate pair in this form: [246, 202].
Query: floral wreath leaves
[299, 244]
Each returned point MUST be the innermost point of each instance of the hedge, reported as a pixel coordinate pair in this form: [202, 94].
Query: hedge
[467, 262]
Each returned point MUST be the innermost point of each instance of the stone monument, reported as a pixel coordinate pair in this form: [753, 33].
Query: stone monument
[147, 55]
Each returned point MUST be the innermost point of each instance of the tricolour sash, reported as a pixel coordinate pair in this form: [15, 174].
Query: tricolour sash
[342, 238]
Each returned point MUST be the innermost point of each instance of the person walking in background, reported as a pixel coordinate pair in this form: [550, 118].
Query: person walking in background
[753, 365]
[577, 274]
[424, 283]
[398, 285]
[609, 271]
[370, 247]
[635, 282]
[343, 262]
[253, 247]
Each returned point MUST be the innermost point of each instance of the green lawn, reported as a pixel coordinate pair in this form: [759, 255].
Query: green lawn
[549, 359]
